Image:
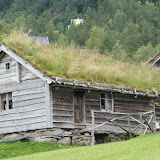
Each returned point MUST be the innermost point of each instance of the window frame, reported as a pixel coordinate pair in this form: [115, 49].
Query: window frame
[8, 97]
[106, 101]
[5, 67]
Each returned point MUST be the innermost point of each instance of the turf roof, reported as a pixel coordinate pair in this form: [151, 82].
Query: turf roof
[71, 63]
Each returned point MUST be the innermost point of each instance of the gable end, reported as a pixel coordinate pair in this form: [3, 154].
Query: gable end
[25, 64]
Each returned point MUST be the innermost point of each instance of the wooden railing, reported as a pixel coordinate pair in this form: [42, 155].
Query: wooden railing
[131, 123]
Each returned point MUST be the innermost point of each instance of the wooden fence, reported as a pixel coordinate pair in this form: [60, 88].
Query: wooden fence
[130, 123]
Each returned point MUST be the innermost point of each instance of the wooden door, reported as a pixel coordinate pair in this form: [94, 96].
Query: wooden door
[78, 107]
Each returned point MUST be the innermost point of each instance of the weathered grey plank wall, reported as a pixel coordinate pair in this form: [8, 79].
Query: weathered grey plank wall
[63, 109]
[29, 103]
[132, 104]
[9, 76]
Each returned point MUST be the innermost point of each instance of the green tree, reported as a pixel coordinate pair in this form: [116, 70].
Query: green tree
[131, 38]
[143, 53]
[96, 38]
[63, 41]
[51, 32]
[118, 52]
[1, 32]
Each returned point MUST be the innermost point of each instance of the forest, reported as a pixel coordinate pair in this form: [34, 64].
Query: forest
[127, 30]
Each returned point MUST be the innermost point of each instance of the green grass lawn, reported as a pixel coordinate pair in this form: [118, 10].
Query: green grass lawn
[8, 150]
[145, 147]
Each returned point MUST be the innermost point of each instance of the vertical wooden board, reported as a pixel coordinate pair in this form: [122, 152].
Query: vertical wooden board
[18, 72]
[78, 107]
[49, 112]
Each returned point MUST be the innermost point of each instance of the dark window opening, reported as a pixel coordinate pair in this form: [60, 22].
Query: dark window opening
[8, 66]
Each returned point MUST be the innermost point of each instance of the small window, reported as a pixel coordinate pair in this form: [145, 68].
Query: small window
[6, 101]
[106, 102]
[8, 66]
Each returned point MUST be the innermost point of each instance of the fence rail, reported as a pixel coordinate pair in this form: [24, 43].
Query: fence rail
[132, 122]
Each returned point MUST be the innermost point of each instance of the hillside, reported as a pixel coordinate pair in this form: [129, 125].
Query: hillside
[83, 65]
[145, 147]
[127, 30]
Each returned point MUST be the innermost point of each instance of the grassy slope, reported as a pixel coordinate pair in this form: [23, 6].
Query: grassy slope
[74, 63]
[141, 148]
[8, 150]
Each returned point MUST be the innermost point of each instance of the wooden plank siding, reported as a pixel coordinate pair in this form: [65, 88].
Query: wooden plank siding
[63, 109]
[132, 104]
[28, 96]
[29, 108]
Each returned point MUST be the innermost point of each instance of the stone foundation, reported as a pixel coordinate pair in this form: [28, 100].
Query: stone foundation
[62, 136]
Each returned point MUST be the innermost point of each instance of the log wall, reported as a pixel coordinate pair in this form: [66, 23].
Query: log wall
[122, 104]
[63, 107]
[132, 104]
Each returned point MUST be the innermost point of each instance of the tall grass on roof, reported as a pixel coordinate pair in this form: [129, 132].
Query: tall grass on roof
[83, 65]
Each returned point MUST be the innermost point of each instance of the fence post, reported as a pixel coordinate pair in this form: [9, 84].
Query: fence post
[141, 119]
[129, 125]
[92, 134]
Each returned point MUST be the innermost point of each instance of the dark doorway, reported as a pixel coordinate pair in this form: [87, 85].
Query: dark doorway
[78, 107]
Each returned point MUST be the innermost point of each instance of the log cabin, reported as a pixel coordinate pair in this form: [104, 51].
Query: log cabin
[30, 100]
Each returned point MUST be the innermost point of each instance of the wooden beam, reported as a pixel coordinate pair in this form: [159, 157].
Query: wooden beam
[129, 125]
[92, 134]
[18, 72]
[48, 95]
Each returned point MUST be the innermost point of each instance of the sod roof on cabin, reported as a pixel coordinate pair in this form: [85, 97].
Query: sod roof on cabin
[71, 63]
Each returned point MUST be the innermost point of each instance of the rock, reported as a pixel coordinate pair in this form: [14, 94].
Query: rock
[11, 136]
[76, 132]
[45, 139]
[53, 132]
[65, 140]
[67, 134]
[18, 137]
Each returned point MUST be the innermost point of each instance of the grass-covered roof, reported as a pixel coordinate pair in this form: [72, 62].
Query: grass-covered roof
[76, 63]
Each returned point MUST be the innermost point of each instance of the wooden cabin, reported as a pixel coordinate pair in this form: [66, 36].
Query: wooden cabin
[29, 100]
[155, 63]
[40, 40]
